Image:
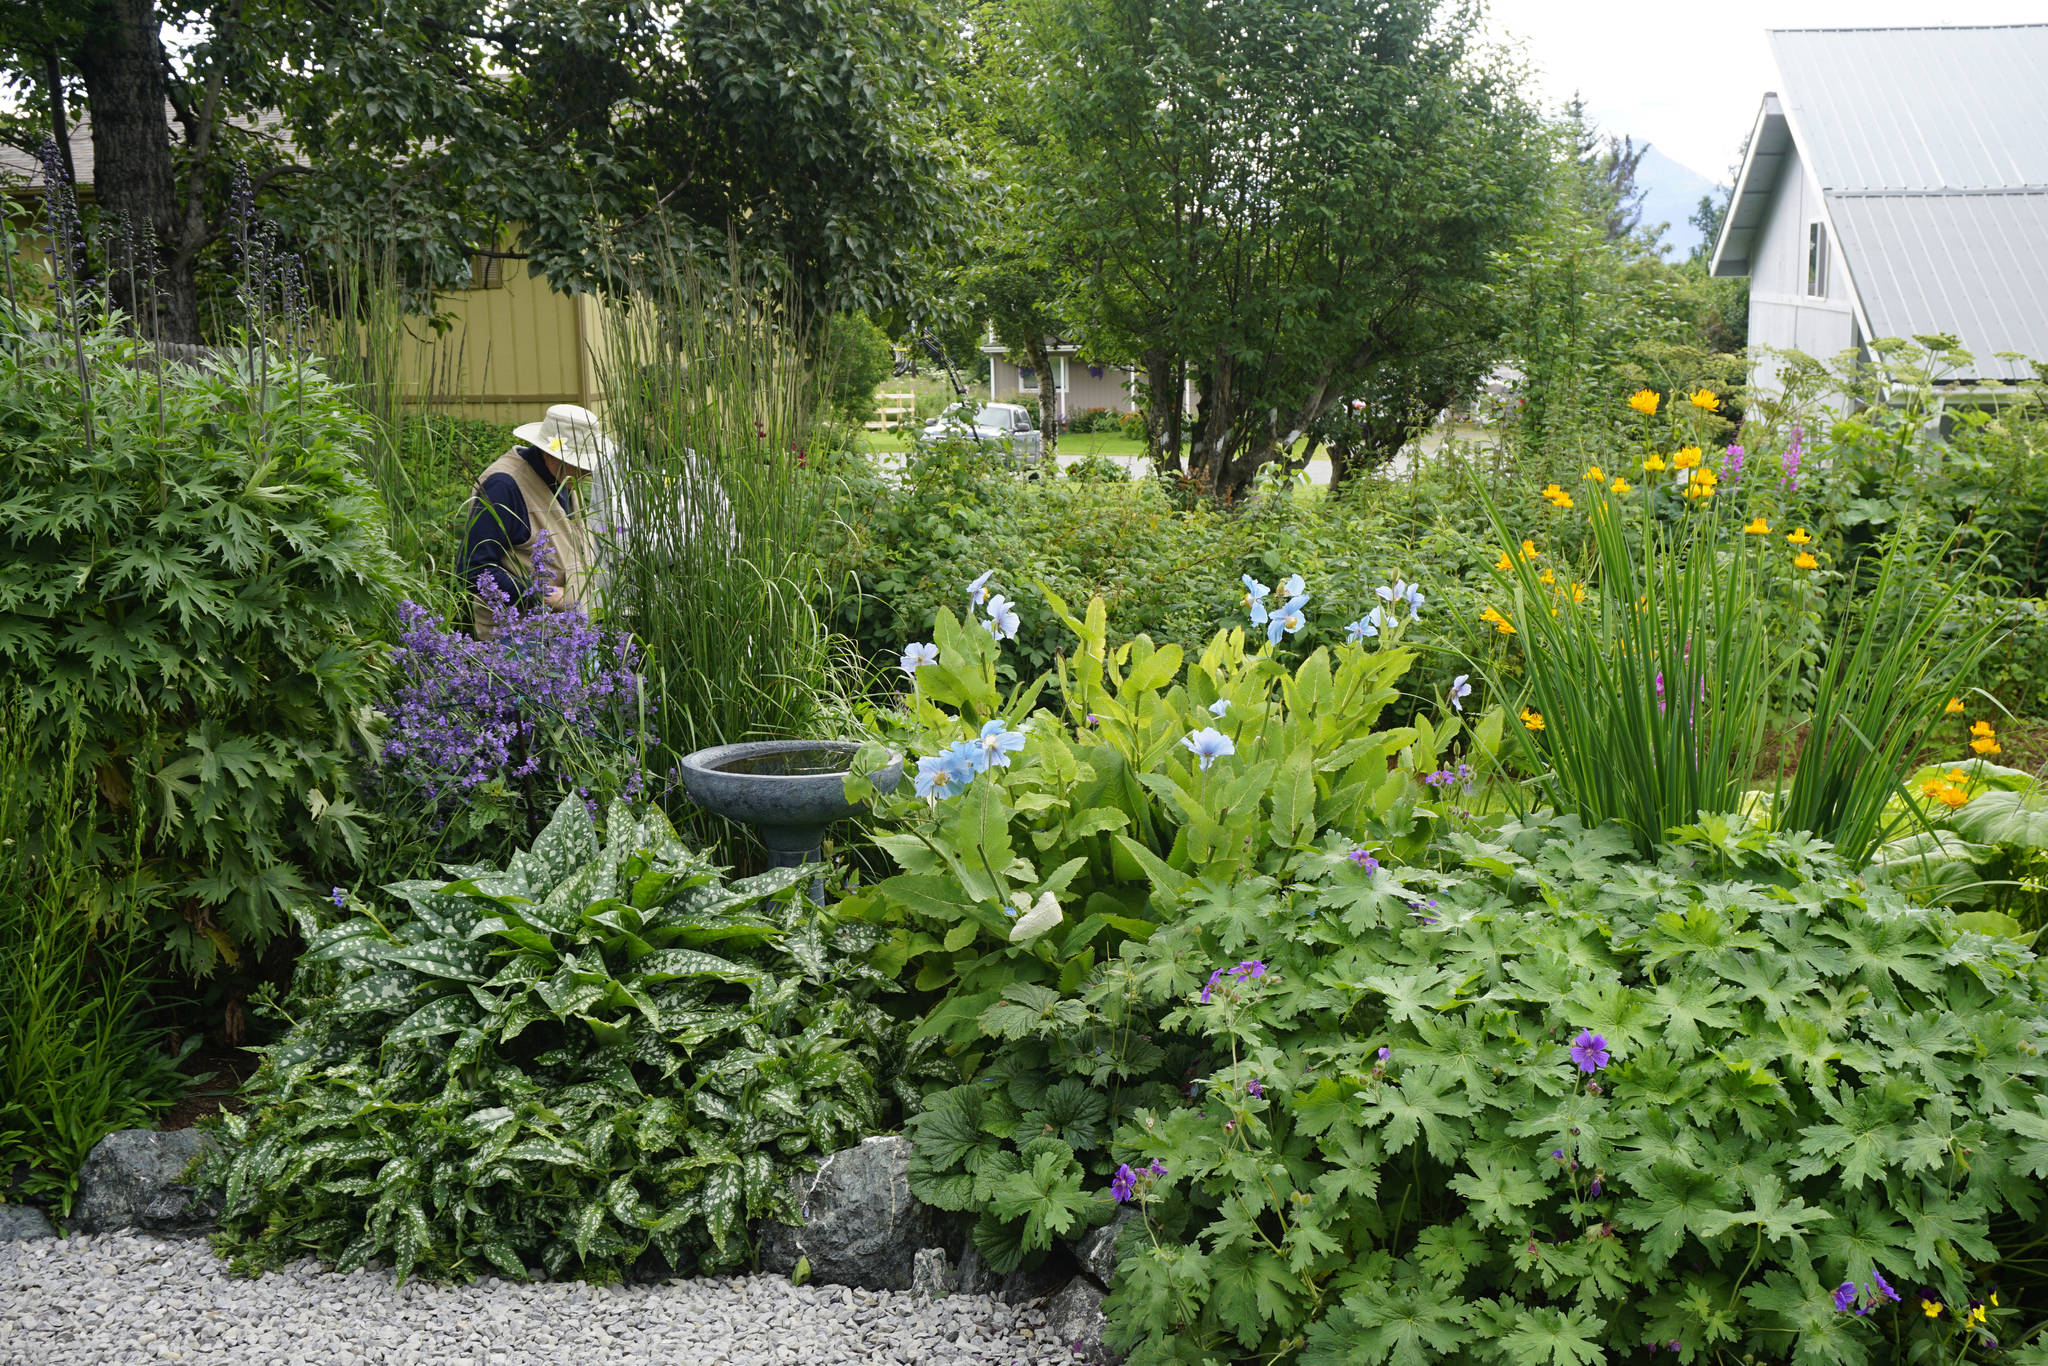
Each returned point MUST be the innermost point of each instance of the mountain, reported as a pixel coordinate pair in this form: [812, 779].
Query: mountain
[1670, 194]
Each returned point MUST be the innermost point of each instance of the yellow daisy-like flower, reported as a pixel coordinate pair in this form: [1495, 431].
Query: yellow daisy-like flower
[1930, 787]
[1688, 458]
[1798, 536]
[1704, 398]
[1804, 560]
[1984, 744]
[1532, 719]
[1500, 623]
[1701, 484]
[1558, 497]
[1758, 527]
[1655, 464]
[1983, 730]
[1954, 707]
[1644, 401]
[1952, 797]
[1529, 550]
[1620, 485]
[1956, 775]
[1503, 564]
[1595, 475]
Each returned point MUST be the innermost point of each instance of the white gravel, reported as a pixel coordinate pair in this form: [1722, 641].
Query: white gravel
[123, 1298]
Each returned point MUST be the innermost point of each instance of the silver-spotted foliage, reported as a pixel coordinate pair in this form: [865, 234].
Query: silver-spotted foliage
[597, 1053]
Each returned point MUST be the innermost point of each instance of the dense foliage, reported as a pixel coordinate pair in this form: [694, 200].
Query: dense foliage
[599, 1050]
[1546, 1105]
[193, 571]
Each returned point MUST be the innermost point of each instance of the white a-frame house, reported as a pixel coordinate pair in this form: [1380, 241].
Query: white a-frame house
[1896, 185]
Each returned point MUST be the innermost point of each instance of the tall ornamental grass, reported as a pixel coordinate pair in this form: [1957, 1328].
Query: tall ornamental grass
[711, 512]
[1654, 663]
[78, 1055]
[1649, 671]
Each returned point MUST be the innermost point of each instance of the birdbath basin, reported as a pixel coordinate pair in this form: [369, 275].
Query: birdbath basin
[788, 790]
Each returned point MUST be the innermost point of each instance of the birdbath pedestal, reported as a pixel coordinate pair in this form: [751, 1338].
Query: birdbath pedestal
[788, 790]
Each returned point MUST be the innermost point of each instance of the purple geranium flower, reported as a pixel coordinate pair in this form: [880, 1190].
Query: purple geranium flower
[1124, 1184]
[1589, 1051]
[1364, 860]
[1882, 1288]
[1214, 978]
[1845, 1296]
[1251, 969]
[1252, 1087]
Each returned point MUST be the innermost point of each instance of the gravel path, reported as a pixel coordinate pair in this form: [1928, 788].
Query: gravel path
[122, 1298]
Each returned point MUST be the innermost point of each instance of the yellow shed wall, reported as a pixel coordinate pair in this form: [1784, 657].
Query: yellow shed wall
[509, 352]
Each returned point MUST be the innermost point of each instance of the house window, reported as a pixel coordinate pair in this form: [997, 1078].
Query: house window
[1027, 380]
[486, 272]
[1817, 260]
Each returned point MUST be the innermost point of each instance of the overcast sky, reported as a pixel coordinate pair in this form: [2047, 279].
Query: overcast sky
[1687, 77]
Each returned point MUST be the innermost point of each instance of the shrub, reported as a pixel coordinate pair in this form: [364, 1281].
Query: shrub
[598, 1050]
[853, 357]
[191, 565]
[1092, 420]
[1555, 1105]
[1132, 426]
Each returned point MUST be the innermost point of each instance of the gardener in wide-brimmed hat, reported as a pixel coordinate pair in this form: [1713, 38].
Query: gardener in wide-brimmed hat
[530, 491]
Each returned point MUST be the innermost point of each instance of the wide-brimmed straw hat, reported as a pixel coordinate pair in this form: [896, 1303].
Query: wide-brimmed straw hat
[571, 434]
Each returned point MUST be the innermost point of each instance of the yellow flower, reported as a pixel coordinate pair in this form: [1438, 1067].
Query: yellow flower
[1931, 1308]
[1956, 775]
[1557, 496]
[1503, 564]
[1952, 797]
[1805, 560]
[1620, 484]
[1994, 1299]
[1702, 484]
[1758, 527]
[1704, 398]
[1688, 457]
[1595, 475]
[1977, 1315]
[1644, 401]
[1529, 550]
[1578, 592]
[1984, 744]
[1500, 623]
[1983, 730]
[1954, 707]
[1532, 719]
[1655, 464]
[1799, 536]
[1931, 787]
[1548, 578]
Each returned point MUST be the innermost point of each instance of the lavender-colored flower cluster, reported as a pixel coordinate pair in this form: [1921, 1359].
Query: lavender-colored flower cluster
[474, 709]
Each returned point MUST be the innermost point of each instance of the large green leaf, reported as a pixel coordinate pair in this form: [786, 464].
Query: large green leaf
[2011, 818]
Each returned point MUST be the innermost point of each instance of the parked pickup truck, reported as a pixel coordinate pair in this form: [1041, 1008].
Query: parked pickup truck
[994, 425]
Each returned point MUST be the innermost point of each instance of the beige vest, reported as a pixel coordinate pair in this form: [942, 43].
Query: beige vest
[568, 538]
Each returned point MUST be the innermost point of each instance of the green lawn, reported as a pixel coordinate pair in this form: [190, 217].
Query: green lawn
[1084, 443]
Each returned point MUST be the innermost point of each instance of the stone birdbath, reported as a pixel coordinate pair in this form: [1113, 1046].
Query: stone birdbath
[788, 790]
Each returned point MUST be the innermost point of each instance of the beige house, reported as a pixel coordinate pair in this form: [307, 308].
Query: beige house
[1076, 384]
[510, 344]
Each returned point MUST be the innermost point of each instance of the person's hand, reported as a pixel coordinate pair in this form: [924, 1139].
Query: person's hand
[555, 601]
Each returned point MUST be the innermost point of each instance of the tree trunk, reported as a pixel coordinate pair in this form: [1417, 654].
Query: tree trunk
[122, 61]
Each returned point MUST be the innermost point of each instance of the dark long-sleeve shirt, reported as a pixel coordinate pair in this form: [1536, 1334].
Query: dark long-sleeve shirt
[498, 521]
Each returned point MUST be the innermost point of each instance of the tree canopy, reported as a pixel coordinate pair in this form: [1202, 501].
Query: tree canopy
[596, 139]
[1285, 202]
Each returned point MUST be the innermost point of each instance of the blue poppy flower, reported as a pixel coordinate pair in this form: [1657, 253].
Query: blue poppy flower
[1288, 620]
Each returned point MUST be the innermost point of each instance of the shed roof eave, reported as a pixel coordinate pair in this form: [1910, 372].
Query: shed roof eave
[1770, 139]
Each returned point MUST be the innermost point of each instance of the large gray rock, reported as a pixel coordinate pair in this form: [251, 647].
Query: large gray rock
[1074, 1319]
[19, 1223]
[862, 1227]
[134, 1178]
[1095, 1250]
[974, 1277]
